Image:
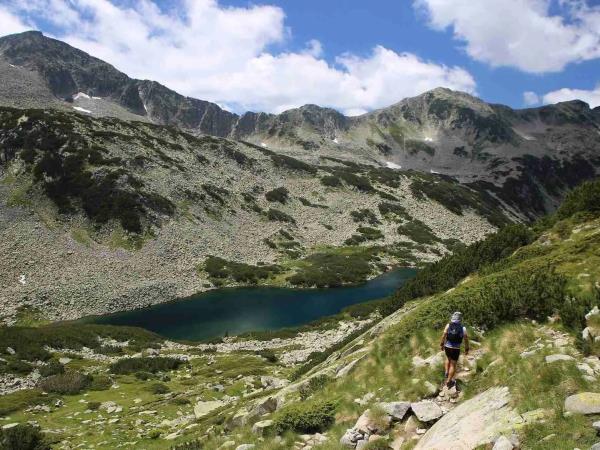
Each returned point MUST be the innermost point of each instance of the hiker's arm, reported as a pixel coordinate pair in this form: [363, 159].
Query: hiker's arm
[443, 341]
[466, 344]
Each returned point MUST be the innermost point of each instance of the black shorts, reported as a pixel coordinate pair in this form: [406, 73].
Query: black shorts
[452, 353]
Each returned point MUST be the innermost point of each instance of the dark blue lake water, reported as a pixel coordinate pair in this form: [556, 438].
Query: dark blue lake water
[238, 310]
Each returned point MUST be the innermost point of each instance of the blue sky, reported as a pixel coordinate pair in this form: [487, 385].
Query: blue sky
[352, 55]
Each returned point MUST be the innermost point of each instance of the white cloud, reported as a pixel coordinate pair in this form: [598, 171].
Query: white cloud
[10, 23]
[520, 33]
[235, 57]
[531, 98]
[591, 97]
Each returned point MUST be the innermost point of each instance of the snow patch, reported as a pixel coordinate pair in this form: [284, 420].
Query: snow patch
[428, 139]
[97, 98]
[391, 165]
[81, 95]
[335, 141]
[262, 144]
[433, 171]
[78, 108]
[12, 65]
[523, 135]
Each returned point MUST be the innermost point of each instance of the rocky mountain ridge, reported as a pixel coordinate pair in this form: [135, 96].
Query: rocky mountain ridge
[525, 158]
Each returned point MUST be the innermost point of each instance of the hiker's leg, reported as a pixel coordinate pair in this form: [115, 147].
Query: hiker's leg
[451, 371]
[446, 366]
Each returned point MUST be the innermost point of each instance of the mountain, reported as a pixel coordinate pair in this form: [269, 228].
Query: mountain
[524, 158]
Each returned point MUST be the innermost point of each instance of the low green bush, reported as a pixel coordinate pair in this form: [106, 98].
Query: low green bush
[274, 215]
[307, 417]
[22, 399]
[94, 406]
[100, 383]
[240, 272]
[68, 383]
[418, 232]
[314, 384]
[268, 354]
[152, 365]
[159, 388]
[365, 215]
[23, 437]
[280, 194]
[52, 368]
[331, 181]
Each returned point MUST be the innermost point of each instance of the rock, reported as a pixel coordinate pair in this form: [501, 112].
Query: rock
[596, 426]
[585, 369]
[239, 419]
[64, 360]
[475, 422]
[561, 342]
[595, 446]
[583, 403]
[202, 409]
[263, 427]
[586, 334]
[397, 443]
[345, 370]
[351, 437]
[265, 406]
[502, 443]
[10, 350]
[152, 352]
[427, 411]
[594, 312]
[558, 357]
[432, 389]
[537, 415]
[9, 425]
[412, 424]
[367, 424]
[227, 444]
[396, 410]
[361, 444]
[273, 382]
[245, 447]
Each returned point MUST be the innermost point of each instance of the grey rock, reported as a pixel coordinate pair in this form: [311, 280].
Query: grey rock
[503, 443]
[396, 410]
[263, 427]
[427, 411]
[558, 357]
[583, 403]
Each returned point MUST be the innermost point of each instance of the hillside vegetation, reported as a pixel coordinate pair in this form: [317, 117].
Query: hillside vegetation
[525, 294]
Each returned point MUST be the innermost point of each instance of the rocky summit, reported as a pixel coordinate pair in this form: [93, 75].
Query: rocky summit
[118, 194]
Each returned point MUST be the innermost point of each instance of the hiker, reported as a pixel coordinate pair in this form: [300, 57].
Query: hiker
[454, 334]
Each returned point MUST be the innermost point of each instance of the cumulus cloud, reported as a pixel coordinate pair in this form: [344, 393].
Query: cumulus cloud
[525, 34]
[531, 98]
[235, 56]
[10, 23]
[592, 97]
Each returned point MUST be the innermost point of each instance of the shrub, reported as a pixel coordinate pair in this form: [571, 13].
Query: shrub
[16, 366]
[331, 181]
[152, 365]
[359, 182]
[386, 208]
[313, 385]
[159, 388]
[180, 401]
[22, 437]
[240, 272]
[584, 198]
[22, 399]
[100, 383]
[275, 215]
[332, 269]
[280, 194]
[94, 406]
[379, 444]
[418, 232]
[307, 417]
[68, 383]
[367, 234]
[292, 163]
[268, 354]
[154, 434]
[144, 376]
[52, 368]
[365, 215]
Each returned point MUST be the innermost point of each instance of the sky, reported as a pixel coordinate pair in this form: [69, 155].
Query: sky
[351, 55]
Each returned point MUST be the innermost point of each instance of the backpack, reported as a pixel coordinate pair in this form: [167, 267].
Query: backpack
[455, 333]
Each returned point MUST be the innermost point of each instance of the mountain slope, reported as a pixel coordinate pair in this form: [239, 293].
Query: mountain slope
[366, 379]
[525, 158]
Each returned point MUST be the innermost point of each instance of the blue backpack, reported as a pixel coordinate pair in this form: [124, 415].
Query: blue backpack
[455, 333]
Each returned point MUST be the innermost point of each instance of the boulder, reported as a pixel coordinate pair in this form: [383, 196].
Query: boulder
[263, 427]
[351, 437]
[594, 312]
[245, 447]
[595, 446]
[265, 406]
[596, 426]
[396, 410]
[273, 382]
[558, 357]
[503, 443]
[412, 425]
[202, 409]
[367, 424]
[583, 403]
[427, 411]
[475, 422]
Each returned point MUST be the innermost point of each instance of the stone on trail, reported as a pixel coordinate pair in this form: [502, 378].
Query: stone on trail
[503, 443]
[369, 425]
[263, 427]
[478, 421]
[427, 411]
[245, 447]
[396, 410]
[583, 403]
[201, 409]
[595, 446]
[558, 357]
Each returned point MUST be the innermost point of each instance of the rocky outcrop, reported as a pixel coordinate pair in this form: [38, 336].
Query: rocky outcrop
[583, 403]
[475, 422]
